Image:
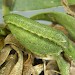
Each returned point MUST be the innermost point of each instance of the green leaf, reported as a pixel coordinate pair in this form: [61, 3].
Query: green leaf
[38, 4]
[34, 4]
[58, 17]
[63, 65]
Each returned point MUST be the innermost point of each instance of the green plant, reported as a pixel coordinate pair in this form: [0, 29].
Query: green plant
[40, 40]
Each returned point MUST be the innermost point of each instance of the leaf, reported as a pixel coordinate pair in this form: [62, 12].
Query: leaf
[67, 8]
[38, 68]
[17, 69]
[28, 67]
[4, 54]
[10, 62]
[61, 18]
[34, 4]
[69, 53]
[64, 67]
